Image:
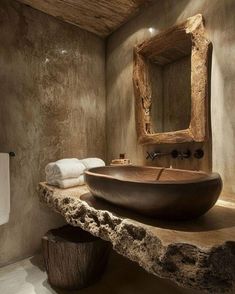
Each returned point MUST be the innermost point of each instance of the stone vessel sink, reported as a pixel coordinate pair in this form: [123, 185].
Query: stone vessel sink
[156, 192]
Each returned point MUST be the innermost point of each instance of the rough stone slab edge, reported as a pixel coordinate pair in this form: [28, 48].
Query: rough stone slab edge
[209, 270]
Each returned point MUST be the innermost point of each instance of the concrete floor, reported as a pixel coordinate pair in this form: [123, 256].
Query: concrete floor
[121, 277]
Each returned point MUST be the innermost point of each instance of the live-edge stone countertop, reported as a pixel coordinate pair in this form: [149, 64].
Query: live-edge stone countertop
[198, 254]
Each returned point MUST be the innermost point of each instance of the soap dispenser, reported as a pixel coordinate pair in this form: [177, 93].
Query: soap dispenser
[121, 160]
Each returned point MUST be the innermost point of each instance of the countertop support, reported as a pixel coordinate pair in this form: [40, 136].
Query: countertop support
[199, 254]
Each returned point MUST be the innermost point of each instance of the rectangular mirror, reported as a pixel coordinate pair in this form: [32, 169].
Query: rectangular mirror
[171, 95]
[171, 85]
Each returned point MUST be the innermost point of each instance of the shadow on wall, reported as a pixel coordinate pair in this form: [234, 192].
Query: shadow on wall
[49, 109]
[220, 23]
[121, 137]
[221, 27]
[121, 277]
[148, 23]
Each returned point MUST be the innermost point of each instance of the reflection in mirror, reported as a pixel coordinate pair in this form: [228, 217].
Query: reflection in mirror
[171, 95]
[170, 78]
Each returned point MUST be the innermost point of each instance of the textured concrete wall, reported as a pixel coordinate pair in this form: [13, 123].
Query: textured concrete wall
[121, 133]
[52, 101]
[52, 105]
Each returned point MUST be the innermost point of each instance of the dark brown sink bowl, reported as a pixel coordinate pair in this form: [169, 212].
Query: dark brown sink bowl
[157, 192]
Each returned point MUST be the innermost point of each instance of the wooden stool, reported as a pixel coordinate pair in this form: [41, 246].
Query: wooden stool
[73, 258]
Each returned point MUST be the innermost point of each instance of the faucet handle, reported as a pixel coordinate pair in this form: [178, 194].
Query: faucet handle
[199, 153]
[177, 154]
[152, 155]
[155, 154]
[148, 155]
[174, 153]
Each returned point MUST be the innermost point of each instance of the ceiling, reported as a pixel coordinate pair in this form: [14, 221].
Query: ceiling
[101, 17]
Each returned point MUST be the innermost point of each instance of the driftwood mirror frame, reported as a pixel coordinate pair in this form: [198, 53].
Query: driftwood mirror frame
[179, 41]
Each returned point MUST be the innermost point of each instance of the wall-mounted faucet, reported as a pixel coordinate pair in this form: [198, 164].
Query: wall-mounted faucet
[181, 154]
[156, 154]
[199, 153]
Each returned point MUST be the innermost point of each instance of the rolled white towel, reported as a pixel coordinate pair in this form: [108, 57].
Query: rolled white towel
[67, 183]
[64, 169]
[92, 162]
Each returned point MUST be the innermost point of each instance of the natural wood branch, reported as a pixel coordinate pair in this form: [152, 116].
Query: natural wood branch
[167, 47]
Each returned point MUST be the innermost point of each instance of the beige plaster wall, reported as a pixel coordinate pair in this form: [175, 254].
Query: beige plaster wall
[52, 101]
[121, 134]
[52, 105]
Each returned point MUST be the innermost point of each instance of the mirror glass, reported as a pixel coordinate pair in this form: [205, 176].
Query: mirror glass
[171, 95]
[171, 76]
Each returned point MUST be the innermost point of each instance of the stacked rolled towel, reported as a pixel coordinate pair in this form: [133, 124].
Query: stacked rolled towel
[69, 172]
[92, 162]
[65, 173]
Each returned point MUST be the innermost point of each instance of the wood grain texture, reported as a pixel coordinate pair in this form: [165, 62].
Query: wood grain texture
[73, 258]
[163, 49]
[170, 194]
[121, 134]
[101, 17]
